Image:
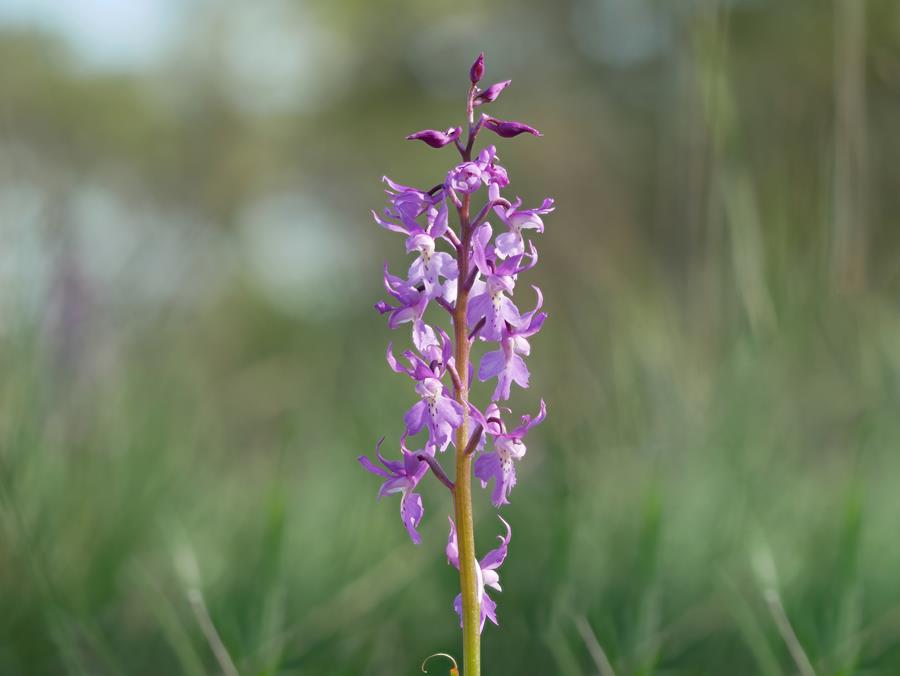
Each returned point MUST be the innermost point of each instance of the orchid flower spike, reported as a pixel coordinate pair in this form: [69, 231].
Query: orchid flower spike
[458, 291]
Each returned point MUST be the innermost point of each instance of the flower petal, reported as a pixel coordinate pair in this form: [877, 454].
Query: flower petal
[492, 363]
[452, 549]
[495, 557]
[411, 512]
[415, 418]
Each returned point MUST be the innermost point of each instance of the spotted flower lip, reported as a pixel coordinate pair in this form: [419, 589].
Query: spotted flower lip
[506, 364]
[437, 411]
[431, 267]
[498, 466]
[489, 299]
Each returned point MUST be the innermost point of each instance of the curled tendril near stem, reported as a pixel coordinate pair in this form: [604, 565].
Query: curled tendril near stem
[454, 671]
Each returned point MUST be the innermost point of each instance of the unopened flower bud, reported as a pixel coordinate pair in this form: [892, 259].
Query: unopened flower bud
[476, 72]
[491, 93]
[435, 138]
[509, 128]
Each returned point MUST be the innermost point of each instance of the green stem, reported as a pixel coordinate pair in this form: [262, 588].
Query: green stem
[462, 494]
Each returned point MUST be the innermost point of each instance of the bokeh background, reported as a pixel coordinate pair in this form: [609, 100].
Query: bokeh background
[190, 361]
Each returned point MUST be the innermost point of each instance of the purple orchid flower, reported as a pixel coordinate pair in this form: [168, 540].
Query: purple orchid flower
[437, 410]
[512, 243]
[411, 301]
[465, 178]
[406, 205]
[489, 299]
[485, 571]
[436, 349]
[498, 466]
[468, 177]
[493, 175]
[401, 477]
[506, 363]
[430, 267]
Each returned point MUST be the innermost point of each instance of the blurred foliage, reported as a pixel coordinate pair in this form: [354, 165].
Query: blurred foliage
[190, 363]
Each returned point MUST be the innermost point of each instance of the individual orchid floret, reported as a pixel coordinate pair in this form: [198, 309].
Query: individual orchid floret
[435, 347]
[486, 573]
[512, 243]
[412, 301]
[489, 298]
[437, 410]
[406, 205]
[401, 477]
[508, 128]
[435, 138]
[490, 422]
[431, 266]
[436, 350]
[492, 174]
[476, 72]
[496, 178]
[498, 466]
[466, 178]
[490, 94]
[506, 364]
[426, 271]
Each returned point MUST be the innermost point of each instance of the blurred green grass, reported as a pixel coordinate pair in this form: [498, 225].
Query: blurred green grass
[716, 487]
[661, 510]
